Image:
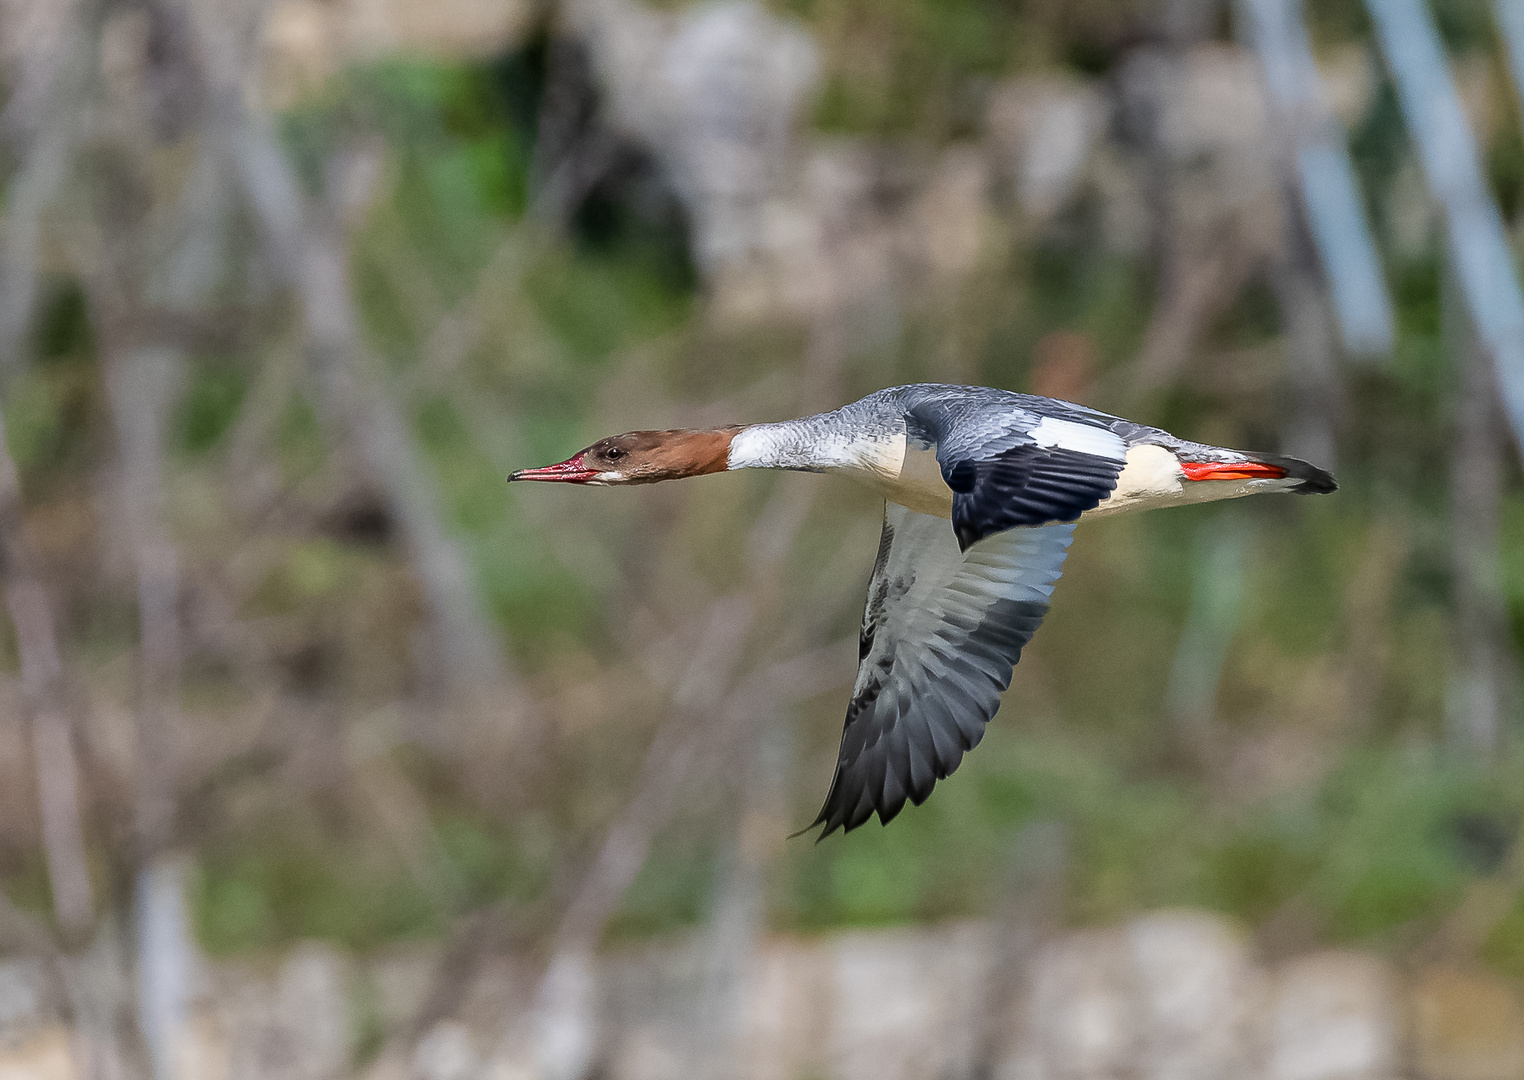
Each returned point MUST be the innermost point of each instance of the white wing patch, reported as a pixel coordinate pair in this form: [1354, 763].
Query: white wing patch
[1080, 438]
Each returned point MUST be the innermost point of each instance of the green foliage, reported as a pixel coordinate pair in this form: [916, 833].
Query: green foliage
[52, 408]
[596, 304]
[1377, 148]
[209, 405]
[1505, 169]
[26, 882]
[302, 876]
[674, 888]
[1387, 858]
[299, 439]
[456, 121]
[62, 328]
[34, 422]
[1465, 25]
[1370, 850]
[285, 890]
[897, 66]
[1337, 22]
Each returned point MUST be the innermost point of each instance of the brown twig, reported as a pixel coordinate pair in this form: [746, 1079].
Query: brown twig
[31, 610]
[141, 382]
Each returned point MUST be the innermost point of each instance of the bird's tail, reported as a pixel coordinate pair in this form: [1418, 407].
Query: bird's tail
[1314, 481]
[1242, 465]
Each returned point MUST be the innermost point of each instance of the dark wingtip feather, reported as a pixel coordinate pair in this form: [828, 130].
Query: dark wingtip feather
[835, 814]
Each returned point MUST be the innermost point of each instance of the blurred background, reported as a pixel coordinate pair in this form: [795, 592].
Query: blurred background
[324, 753]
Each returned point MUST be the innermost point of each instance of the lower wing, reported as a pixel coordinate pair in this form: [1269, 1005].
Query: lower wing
[942, 630]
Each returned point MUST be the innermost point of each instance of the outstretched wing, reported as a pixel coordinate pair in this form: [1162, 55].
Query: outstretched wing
[1009, 467]
[942, 630]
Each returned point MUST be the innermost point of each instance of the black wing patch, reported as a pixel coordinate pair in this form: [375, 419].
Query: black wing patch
[941, 632]
[1025, 484]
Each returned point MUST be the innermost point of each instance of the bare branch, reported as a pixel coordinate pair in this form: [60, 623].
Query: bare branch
[141, 383]
[309, 252]
[31, 611]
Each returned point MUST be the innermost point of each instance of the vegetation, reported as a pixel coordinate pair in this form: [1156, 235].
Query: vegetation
[1322, 802]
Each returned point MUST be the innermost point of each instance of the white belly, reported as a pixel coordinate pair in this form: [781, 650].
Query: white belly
[1151, 477]
[919, 485]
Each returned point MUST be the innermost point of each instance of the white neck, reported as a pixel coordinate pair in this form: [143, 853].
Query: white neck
[871, 454]
[770, 446]
[822, 443]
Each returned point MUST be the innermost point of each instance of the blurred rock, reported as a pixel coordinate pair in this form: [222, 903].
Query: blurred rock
[499, 987]
[21, 998]
[716, 92]
[401, 978]
[1082, 1014]
[906, 1004]
[1466, 1026]
[1201, 113]
[652, 1004]
[296, 1025]
[312, 1006]
[567, 1017]
[203, 1051]
[1198, 992]
[1044, 131]
[869, 1005]
[43, 1055]
[950, 213]
[1213, 105]
[297, 51]
[1350, 79]
[446, 1053]
[1172, 995]
[1333, 1016]
[781, 225]
[30, 28]
[784, 1031]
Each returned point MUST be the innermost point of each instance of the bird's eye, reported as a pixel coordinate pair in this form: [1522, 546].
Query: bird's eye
[613, 453]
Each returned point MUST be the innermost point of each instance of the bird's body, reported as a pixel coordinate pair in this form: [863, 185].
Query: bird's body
[982, 488]
[889, 441]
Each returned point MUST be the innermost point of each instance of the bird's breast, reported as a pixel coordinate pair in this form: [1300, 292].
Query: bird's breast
[904, 471]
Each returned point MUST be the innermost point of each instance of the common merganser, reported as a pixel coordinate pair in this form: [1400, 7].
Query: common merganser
[949, 608]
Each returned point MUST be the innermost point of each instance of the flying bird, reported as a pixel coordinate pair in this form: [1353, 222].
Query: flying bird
[982, 491]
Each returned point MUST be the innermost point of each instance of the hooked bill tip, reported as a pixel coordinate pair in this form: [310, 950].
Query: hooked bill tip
[571, 471]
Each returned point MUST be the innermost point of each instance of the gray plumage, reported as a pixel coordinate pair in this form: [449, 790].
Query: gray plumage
[941, 632]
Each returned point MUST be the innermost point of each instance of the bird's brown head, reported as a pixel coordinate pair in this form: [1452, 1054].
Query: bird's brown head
[641, 457]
